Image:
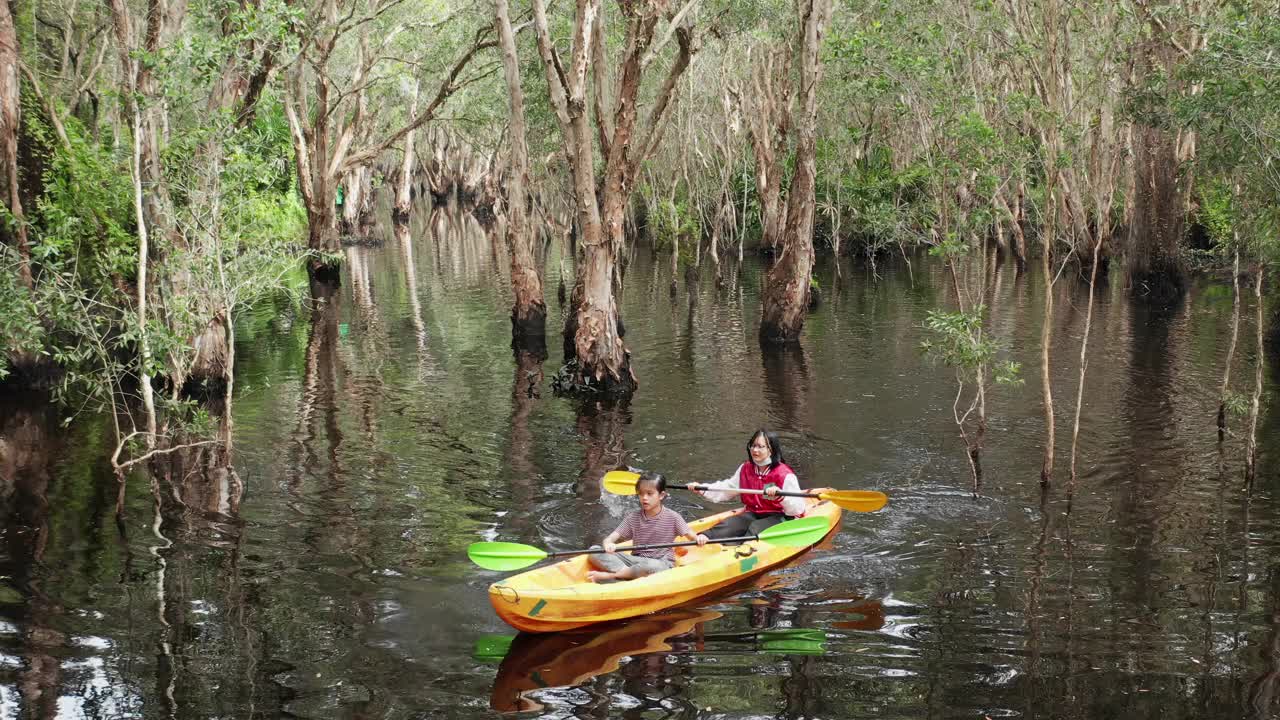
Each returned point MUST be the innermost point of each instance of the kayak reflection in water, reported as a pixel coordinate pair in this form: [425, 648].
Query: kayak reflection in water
[540, 661]
[534, 662]
[652, 524]
[765, 470]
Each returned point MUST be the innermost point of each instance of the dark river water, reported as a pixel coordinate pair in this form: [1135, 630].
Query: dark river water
[378, 434]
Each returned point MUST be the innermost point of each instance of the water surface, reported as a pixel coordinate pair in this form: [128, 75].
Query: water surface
[381, 431]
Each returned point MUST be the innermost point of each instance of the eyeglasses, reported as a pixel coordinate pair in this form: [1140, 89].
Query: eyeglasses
[758, 446]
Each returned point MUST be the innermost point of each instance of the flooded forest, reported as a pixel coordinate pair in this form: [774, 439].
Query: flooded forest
[299, 299]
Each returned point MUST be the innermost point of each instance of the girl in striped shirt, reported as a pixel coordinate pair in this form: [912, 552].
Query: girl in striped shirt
[652, 524]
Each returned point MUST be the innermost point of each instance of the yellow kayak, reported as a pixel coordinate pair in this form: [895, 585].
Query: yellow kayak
[559, 596]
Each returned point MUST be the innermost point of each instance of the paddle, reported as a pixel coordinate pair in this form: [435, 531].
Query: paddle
[492, 648]
[622, 482]
[513, 556]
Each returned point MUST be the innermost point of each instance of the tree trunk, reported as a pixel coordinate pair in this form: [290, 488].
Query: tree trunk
[357, 188]
[1155, 269]
[786, 295]
[404, 193]
[602, 358]
[768, 117]
[324, 265]
[9, 125]
[158, 225]
[1231, 348]
[1046, 386]
[717, 228]
[528, 311]
[1099, 239]
[321, 159]
[1046, 330]
[1251, 446]
[593, 332]
[144, 345]
[1019, 234]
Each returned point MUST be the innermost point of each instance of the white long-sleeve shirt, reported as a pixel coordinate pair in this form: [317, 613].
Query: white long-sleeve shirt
[792, 506]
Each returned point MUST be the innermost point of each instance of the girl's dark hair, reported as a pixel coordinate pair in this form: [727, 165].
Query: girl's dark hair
[775, 446]
[658, 480]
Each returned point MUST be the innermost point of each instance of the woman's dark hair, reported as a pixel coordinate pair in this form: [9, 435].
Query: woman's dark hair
[775, 447]
[658, 480]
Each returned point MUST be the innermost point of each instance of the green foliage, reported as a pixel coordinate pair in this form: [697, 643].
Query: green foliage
[84, 220]
[878, 205]
[80, 316]
[958, 342]
[20, 330]
[949, 248]
[1236, 403]
[671, 219]
[1216, 213]
[1230, 92]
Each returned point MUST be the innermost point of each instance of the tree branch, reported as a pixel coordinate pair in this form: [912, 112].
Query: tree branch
[48, 106]
[121, 467]
[655, 125]
[672, 27]
[447, 88]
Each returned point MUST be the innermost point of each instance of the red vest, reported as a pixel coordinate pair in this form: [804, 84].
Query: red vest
[748, 479]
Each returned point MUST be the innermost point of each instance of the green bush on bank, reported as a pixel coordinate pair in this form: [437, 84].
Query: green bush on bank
[671, 219]
[879, 205]
[79, 320]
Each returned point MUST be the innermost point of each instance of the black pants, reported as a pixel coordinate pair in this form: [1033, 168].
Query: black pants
[747, 523]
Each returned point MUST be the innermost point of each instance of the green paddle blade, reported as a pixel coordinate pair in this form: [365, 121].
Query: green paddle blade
[787, 645]
[503, 555]
[810, 635]
[492, 648]
[796, 533]
[621, 482]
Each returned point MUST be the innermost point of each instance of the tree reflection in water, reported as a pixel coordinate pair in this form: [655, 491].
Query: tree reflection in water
[29, 442]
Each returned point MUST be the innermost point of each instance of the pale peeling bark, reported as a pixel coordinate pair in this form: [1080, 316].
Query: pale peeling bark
[1046, 342]
[144, 343]
[1231, 347]
[786, 295]
[9, 124]
[404, 192]
[1099, 240]
[593, 337]
[767, 111]
[1255, 402]
[528, 312]
[130, 73]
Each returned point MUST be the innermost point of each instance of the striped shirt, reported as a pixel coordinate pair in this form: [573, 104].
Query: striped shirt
[664, 528]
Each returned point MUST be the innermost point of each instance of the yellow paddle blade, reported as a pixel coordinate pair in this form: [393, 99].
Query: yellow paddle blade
[857, 500]
[621, 482]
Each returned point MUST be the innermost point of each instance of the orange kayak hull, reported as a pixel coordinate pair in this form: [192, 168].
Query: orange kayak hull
[559, 597]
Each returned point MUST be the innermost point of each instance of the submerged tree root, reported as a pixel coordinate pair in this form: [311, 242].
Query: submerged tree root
[572, 380]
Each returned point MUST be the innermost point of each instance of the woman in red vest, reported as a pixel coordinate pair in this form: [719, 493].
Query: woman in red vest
[766, 470]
